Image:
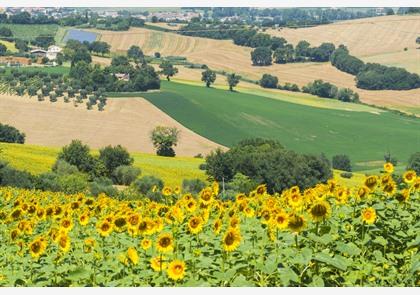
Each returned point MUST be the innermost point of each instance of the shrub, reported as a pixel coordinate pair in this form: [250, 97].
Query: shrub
[48, 181]
[125, 175]
[341, 162]
[112, 157]
[202, 166]
[16, 178]
[241, 183]
[147, 183]
[163, 138]
[102, 185]
[193, 185]
[414, 162]
[269, 81]
[10, 134]
[78, 154]
[346, 174]
[73, 183]
[61, 167]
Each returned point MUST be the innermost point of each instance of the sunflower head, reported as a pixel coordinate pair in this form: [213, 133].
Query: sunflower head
[369, 215]
[281, 220]
[133, 255]
[146, 244]
[403, 196]
[37, 247]
[388, 167]
[64, 242]
[158, 263]
[105, 228]
[409, 176]
[320, 211]
[217, 226]
[296, 223]
[195, 224]
[165, 243]
[206, 196]
[176, 270]
[166, 191]
[231, 239]
[371, 182]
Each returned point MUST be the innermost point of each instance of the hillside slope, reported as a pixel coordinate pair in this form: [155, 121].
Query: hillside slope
[125, 121]
[227, 117]
[224, 55]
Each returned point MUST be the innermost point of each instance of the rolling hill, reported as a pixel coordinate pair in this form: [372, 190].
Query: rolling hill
[224, 55]
[227, 117]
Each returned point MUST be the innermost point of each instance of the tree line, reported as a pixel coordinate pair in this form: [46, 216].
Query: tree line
[317, 87]
[373, 76]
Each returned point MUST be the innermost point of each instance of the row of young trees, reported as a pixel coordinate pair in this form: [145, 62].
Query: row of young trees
[373, 76]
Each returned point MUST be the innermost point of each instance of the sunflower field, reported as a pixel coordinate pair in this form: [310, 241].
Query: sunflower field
[328, 235]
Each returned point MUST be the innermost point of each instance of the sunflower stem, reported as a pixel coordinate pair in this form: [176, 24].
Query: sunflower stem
[296, 241]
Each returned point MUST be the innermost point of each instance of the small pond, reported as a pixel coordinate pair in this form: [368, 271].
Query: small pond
[80, 35]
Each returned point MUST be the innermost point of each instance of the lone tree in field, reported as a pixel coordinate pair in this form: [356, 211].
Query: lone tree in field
[163, 138]
[233, 80]
[208, 76]
[168, 69]
[261, 56]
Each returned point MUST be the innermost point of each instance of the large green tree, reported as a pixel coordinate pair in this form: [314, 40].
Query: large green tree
[208, 77]
[261, 56]
[233, 80]
[168, 69]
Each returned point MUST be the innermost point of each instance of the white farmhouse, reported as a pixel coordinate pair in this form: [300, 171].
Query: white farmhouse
[52, 52]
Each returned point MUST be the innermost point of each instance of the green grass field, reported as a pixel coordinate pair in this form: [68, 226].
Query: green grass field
[29, 32]
[50, 70]
[37, 160]
[227, 117]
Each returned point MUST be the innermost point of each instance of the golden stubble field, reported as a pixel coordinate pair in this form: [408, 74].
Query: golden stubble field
[224, 55]
[125, 121]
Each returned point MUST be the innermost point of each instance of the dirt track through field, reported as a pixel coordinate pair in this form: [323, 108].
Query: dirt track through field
[125, 121]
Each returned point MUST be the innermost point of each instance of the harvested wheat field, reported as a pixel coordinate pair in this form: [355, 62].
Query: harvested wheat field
[379, 39]
[224, 55]
[125, 121]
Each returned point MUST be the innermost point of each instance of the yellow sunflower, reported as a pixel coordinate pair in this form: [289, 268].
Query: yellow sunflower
[388, 167]
[371, 182]
[89, 244]
[66, 224]
[195, 225]
[390, 188]
[176, 270]
[217, 226]
[403, 196]
[177, 190]
[165, 243]
[64, 242]
[363, 192]
[105, 228]
[166, 191]
[231, 239]
[158, 263]
[320, 211]
[206, 196]
[265, 216]
[409, 176]
[281, 220]
[296, 223]
[146, 244]
[146, 226]
[295, 200]
[132, 255]
[369, 215]
[191, 206]
[84, 219]
[37, 247]
[215, 188]
[261, 189]
[249, 212]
